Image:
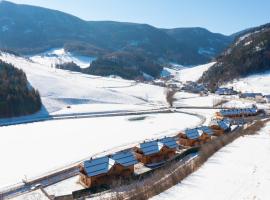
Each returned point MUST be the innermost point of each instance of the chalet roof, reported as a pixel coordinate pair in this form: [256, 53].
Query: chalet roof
[193, 134]
[152, 147]
[206, 130]
[251, 94]
[98, 166]
[125, 158]
[223, 125]
[238, 111]
[169, 142]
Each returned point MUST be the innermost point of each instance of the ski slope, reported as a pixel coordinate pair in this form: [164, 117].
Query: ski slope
[188, 74]
[239, 171]
[60, 56]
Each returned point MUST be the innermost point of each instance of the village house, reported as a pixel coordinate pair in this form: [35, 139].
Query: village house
[258, 97]
[267, 98]
[97, 172]
[193, 137]
[156, 151]
[220, 126]
[237, 113]
[194, 87]
[104, 170]
[225, 91]
[207, 130]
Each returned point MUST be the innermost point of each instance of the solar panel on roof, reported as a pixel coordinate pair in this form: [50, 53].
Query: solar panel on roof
[193, 133]
[151, 147]
[223, 125]
[169, 142]
[206, 130]
[125, 158]
[98, 166]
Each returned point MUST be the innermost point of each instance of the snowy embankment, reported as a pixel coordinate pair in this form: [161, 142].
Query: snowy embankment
[254, 83]
[44, 146]
[240, 170]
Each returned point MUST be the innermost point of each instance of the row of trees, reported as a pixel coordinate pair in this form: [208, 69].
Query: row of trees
[17, 97]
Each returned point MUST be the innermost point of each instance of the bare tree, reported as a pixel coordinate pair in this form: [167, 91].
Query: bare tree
[170, 92]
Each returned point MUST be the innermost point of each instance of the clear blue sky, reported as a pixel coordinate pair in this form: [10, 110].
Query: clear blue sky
[223, 16]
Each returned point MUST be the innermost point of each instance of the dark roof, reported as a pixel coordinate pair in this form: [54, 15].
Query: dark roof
[250, 94]
[193, 134]
[98, 166]
[238, 111]
[152, 147]
[125, 158]
[169, 142]
[206, 130]
[223, 125]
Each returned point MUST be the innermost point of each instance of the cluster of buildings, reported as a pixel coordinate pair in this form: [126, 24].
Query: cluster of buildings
[194, 87]
[255, 96]
[121, 165]
[226, 91]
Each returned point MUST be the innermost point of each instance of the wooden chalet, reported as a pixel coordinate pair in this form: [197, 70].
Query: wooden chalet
[237, 113]
[104, 170]
[194, 137]
[125, 161]
[220, 126]
[157, 151]
[208, 133]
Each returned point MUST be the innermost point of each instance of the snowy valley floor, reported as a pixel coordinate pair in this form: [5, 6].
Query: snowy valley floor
[43, 146]
[239, 171]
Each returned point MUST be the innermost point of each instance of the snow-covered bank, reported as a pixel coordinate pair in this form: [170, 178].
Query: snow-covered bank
[237, 171]
[40, 147]
[254, 83]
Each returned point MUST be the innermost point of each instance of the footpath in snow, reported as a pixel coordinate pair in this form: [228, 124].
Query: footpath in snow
[239, 171]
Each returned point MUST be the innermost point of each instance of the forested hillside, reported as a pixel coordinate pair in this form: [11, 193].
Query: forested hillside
[17, 97]
[29, 30]
[250, 54]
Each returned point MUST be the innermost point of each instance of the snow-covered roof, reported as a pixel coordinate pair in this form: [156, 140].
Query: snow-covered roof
[125, 158]
[98, 166]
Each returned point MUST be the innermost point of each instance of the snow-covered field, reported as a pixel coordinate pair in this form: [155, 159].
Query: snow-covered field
[33, 149]
[239, 171]
[254, 83]
[60, 88]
